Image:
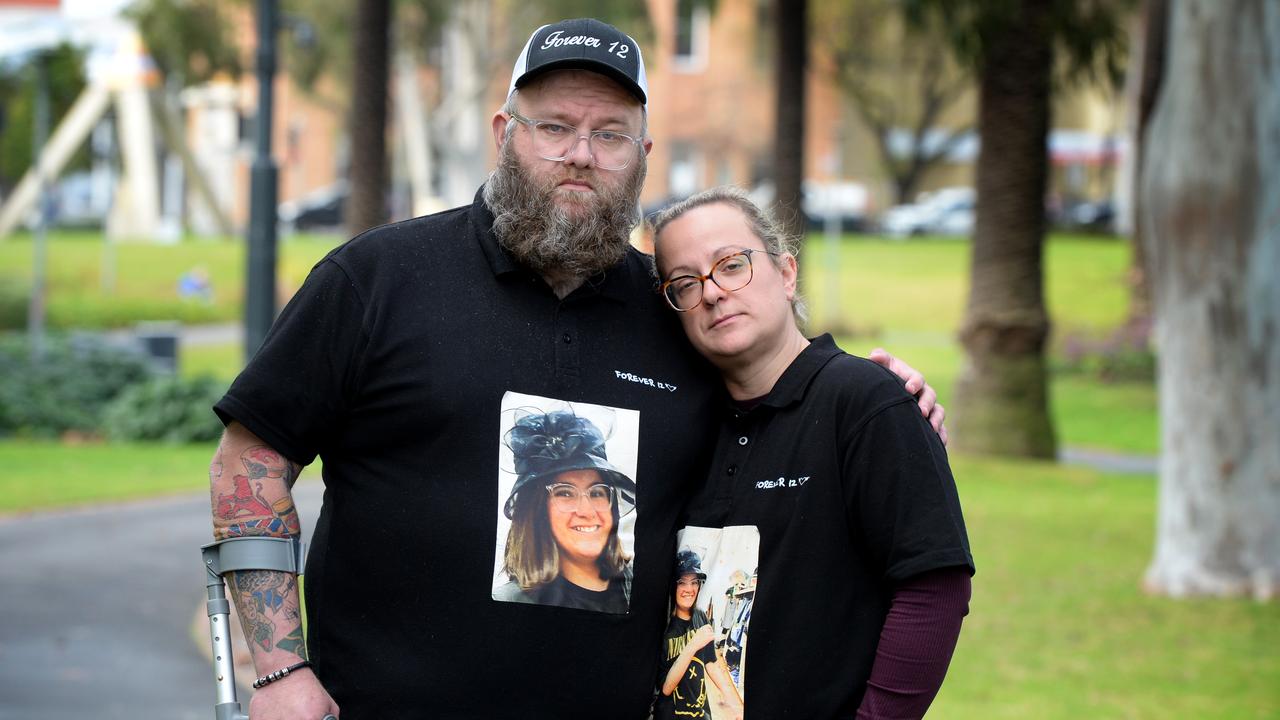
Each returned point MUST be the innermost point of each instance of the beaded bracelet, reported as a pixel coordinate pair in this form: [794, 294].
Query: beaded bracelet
[282, 672]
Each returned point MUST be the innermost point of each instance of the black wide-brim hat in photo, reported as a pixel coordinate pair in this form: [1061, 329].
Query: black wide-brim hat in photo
[689, 562]
[547, 444]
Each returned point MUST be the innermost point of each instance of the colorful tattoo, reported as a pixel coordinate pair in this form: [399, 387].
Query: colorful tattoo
[242, 500]
[245, 511]
[267, 601]
[283, 522]
[294, 643]
[263, 462]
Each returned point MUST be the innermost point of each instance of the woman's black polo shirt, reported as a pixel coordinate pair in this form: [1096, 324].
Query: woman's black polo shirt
[851, 492]
[391, 364]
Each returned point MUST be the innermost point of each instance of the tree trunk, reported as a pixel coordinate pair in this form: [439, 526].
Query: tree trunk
[792, 17]
[1001, 397]
[1148, 72]
[370, 52]
[1211, 209]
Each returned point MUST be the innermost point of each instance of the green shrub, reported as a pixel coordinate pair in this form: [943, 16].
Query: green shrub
[67, 388]
[14, 299]
[170, 409]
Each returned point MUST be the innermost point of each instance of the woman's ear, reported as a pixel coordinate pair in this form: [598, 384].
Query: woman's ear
[790, 272]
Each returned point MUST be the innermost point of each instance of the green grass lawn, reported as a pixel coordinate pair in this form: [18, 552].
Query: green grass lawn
[922, 284]
[94, 285]
[909, 297]
[1059, 627]
[41, 475]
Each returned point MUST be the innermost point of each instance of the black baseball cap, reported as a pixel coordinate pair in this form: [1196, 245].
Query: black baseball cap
[587, 44]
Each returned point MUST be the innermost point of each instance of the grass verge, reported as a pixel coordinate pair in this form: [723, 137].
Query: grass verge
[1059, 627]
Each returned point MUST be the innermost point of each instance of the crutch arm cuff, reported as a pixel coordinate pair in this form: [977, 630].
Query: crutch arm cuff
[253, 553]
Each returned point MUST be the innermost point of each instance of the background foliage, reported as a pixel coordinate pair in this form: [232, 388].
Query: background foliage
[17, 110]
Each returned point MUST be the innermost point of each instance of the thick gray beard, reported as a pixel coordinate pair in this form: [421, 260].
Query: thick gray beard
[539, 235]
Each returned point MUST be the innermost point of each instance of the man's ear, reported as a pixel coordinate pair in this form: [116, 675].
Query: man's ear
[500, 121]
[648, 145]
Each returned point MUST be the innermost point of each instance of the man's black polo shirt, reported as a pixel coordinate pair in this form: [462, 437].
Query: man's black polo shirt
[391, 364]
[850, 490]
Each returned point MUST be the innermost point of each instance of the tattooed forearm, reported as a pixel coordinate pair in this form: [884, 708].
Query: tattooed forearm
[268, 605]
[250, 487]
[255, 499]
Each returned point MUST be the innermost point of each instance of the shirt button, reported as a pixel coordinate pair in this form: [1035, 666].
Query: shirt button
[567, 339]
[731, 470]
[742, 440]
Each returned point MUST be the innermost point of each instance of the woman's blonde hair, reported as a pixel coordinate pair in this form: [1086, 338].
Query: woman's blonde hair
[759, 221]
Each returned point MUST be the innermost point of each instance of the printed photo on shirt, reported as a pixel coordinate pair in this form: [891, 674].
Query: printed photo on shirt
[566, 503]
[704, 654]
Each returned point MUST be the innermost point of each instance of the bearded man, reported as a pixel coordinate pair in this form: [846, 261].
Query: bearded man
[398, 363]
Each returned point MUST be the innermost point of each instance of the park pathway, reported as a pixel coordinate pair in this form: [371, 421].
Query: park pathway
[96, 610]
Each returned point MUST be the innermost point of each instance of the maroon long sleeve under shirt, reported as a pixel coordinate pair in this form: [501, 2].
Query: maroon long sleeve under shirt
[916, 644]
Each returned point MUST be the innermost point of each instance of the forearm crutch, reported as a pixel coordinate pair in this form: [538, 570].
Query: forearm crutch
[224, 556]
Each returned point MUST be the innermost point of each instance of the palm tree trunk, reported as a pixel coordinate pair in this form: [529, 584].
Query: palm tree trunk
[371, 42]
[1001, 395]
[792, 17]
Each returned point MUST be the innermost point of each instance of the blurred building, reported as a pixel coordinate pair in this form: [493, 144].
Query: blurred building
[711, 114]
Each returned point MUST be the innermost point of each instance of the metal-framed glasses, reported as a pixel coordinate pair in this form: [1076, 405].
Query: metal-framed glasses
[730, 273]
[609, 149]
[565, 496]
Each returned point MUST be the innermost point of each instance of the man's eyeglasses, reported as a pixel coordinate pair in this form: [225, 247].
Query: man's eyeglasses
[730, 273]
[610, 150]
[565, 497]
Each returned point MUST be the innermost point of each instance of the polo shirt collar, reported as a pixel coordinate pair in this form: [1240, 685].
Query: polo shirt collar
[615, 283]
[796, 379]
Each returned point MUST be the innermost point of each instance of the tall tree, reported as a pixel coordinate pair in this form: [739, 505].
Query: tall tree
[1210, 203]
[190, 40]
[902, 82]
[791, 20]
[18, 91]
[376, 27]
[1146, 70]
[370, 53]
[1001, 397]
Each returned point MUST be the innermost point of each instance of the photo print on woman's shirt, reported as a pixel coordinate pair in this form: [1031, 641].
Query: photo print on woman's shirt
[720, 565]
[566, 495]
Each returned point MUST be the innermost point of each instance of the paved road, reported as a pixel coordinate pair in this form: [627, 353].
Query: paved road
[96, 610]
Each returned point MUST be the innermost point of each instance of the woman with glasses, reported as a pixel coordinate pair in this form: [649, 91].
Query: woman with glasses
[563, 547]
[864, 563]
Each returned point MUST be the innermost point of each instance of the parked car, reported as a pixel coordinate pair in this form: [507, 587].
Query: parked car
[849, 201]
[948, 211]
[1086, 216]
[318, 210]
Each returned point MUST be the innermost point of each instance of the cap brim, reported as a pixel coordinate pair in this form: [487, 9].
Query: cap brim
[594, 66]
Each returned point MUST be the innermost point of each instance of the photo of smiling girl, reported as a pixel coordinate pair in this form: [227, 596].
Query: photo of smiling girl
[569, 509]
